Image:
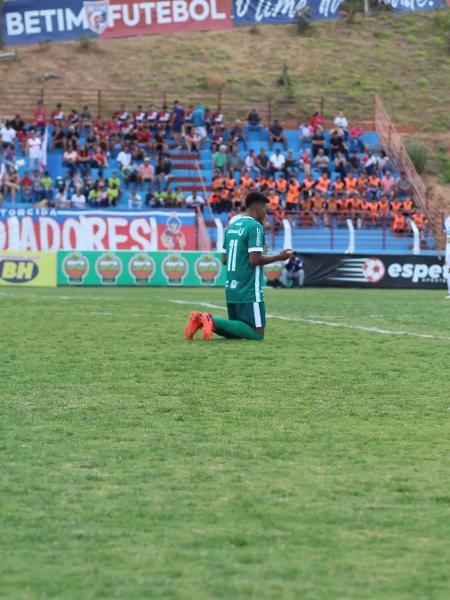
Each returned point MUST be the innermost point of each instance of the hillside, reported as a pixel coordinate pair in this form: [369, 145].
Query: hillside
[406, 58]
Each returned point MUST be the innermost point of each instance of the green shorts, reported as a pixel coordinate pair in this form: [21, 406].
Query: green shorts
[253, 313]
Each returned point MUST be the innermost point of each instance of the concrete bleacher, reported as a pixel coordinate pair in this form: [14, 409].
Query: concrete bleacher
[194, 171]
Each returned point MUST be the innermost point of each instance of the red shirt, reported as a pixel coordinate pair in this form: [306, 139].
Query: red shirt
[40, 117]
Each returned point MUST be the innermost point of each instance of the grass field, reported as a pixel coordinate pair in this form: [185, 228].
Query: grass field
[313, 465]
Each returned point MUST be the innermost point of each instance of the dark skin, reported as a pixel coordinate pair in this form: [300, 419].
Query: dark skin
[258, 211]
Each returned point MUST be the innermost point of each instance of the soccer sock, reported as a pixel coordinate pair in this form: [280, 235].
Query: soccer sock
[235, 329]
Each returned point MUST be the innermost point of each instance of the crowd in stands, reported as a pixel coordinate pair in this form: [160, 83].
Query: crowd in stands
[327, 179]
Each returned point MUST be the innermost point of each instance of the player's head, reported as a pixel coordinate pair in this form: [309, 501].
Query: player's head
[256, 205]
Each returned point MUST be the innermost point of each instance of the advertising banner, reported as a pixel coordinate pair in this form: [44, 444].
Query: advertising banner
[32, 21]
[352, 270]
[193, 269]
[250, 12]
[53, 229]
[28, 268]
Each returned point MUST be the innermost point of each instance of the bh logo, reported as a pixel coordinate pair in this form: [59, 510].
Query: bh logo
[18, 271]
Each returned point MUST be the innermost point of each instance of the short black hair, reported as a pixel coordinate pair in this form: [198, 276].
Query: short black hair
[255, 198]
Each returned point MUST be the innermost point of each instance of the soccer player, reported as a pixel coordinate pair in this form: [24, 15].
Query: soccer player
[243, 254]
[447, 251]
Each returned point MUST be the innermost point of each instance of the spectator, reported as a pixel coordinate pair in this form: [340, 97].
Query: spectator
[180, 201]
[163, 171]
[36, 187]
[371, 163]
[40, 117]
[124, 158]
[78, 199]
[147, 174]
[387, 185]
[58, 138]
[340, 121]
[316, 122]
[236, 135]
[135, 200]
[70, 160]
[318, 142]
[276, 134]
[8, 134]
[34, 150]
[340, 165]
[220, 160]
[254, 123]
[164, 117]
[61, 198]
[337, 144]
[305, 132]
[191, 139]
[193, 200]
[250, 164]
[292, 170]
[199, 124]
[176, 122]
[99, 160]
[403, 186]
[277, 162]
[12, 184]
[58, 115]
[262, 162]
[306, 161]
[234, 162]
[47, 187]
[321, 161]
[26, 187]
[83, 160]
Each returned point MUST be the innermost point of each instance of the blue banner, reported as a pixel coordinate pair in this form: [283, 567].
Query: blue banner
[251, 12]
[32, 21]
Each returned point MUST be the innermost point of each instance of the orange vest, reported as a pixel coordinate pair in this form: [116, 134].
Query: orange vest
[323, 184]
[419, 220]
[383, 206]
[274, 201]
[338, 186]
[374, 181]
[351, 184]
[396, 205]
[407, 205]
[281, 185]
[247, 182]
[399, 222]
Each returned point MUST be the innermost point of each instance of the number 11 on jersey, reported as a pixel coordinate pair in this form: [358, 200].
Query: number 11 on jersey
[232, 255]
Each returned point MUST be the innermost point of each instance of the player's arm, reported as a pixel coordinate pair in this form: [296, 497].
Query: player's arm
[258, 259]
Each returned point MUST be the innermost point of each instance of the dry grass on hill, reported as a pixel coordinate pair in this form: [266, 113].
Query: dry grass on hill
[402, 57]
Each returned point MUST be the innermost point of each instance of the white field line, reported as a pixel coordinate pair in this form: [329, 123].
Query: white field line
[428, 336]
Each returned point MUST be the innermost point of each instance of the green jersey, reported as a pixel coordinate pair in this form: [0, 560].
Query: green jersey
[244, 282]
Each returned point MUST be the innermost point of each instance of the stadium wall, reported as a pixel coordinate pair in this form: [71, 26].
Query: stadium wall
[28, 21]
[204, 269]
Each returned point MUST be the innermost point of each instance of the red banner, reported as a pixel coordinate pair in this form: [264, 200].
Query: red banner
[131, 18]
[50, 229]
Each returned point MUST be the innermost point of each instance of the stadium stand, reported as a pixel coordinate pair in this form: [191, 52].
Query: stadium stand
[317, 178]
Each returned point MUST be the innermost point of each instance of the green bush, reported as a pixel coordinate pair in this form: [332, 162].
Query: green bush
[418, 153]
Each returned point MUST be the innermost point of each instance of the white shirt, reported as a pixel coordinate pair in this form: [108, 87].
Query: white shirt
[197, 200]
[277, 161]
[8, 135]
[34, 145]
[249, 161]
[341, 122]
[79, 200]
[447, 233]
[124, 159]
[305, 131]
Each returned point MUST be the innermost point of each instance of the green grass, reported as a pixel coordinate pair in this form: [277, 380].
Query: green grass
[313, 465]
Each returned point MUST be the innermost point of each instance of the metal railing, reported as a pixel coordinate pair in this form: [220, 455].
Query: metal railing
[394, 147]
[103, 103]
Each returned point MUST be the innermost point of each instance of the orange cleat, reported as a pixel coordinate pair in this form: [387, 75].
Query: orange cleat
[194, 324]
[208, 326]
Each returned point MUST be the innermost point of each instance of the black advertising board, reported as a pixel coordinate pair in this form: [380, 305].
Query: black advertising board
[371, 271]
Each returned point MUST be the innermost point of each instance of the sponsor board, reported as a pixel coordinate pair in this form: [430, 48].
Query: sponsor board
[29, 22]
[384, 271]
[193, 269]
[52, 229]
[28, 268]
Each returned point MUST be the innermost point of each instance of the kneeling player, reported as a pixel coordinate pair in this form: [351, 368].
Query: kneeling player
[243, 255]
